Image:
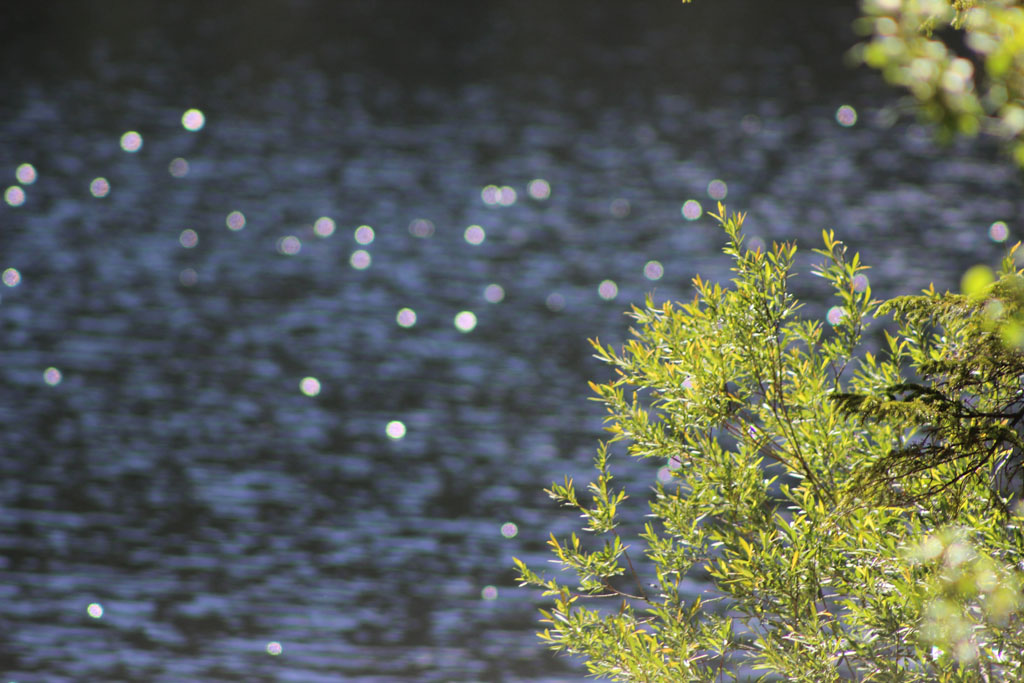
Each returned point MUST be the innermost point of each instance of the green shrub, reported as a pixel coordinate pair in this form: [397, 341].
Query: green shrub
[853, 515]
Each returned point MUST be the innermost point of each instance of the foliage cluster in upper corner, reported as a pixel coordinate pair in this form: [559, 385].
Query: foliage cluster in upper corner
[849, 515]
[961, 60]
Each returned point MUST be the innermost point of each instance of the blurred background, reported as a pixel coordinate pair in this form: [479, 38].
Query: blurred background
[296, 296]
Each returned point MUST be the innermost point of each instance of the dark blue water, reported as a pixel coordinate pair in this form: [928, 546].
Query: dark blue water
[175, 506]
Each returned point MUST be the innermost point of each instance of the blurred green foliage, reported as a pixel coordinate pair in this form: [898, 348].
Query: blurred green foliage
[848, 515]
[961, 60]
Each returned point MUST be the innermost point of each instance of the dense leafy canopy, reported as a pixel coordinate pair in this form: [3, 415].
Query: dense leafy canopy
[856, 514]
[831, 511]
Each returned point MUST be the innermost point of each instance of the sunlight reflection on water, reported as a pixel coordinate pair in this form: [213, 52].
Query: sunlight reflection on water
[247, 441]
[26, 174]
[99, 187]
[14, 195]
[178, 167]
[193, 120]
[235, 221]
[324, 226]
[131, 141]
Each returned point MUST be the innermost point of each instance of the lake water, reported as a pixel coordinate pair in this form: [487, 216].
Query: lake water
[230, 453]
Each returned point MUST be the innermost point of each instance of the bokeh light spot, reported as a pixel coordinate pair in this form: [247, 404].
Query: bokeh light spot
[364, 234]
[95, 610]
[26, 174]
[998, 232]
[289, 245]
[193, 120]
[324, 226]
[395, 429]
[653, 270]
[846, 116]
[475, 234]
[539, 189]
[14, 195]
[310, 386]
[835, 314]
[860, 282]
[360, 259]
[509, 530]
[608, 290]
[188, 277]
[178, 168]
[756, 243]
[465, 321]
[717, 189]
[620, 208]
[421, 227]
[976, 280]
[490, 194]
[99, 187]
[555, 302]
[692, 210]
[957, 77]
[11, 277]
[52, 376]
[188, 238]
[494, 293]
[131, 141]
[235, 220]
[274, 648]
[489, 593]
[406, 317]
